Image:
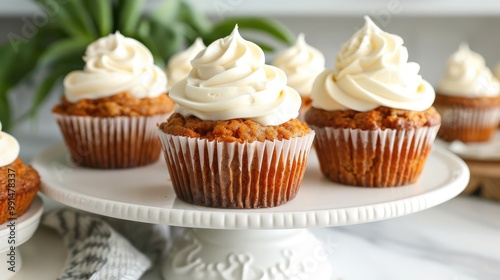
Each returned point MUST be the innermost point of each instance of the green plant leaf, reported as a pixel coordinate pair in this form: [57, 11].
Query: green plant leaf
[168, 39]
[45, 88]
[63, 17]
[194, 19]
[7, 58]
[63, 48]
[82, 17]
[130, 13]
[5, 117]
[101, 10]
[267, 26]
[166, 12]
[26, 59]
[151, 45]
[264, 46]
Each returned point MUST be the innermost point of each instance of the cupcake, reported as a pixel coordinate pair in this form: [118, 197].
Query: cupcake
[19, 183]
[372, 114]
[302, 64]
[179, 65]
[110, 110]
[234, 140]
[468, 98]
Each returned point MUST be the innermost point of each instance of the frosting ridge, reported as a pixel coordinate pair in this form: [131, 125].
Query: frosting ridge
[302, 64]
[468, 76]
[230, 80]
[372, 70]
[9, 148]
[179, 65]
[115, 64]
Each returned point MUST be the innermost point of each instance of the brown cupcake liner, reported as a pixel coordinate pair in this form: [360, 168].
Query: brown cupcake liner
[22, 202]
[373, 158]
[115, 142]
[468, 124]
[236, 175]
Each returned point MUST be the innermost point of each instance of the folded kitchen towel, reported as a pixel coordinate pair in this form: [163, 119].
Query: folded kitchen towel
[105, 248]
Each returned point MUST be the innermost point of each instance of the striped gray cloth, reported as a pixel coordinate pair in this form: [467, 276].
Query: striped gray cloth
[105, 248]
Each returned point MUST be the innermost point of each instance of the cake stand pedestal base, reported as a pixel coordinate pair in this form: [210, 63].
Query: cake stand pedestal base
[212, 254]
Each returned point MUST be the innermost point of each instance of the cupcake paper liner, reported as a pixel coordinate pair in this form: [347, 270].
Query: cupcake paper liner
[373, 158]
[115, 142]
[22, 202]
[236, 175]
[468, 124]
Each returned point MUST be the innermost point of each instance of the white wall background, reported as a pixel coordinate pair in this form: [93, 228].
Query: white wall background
[432, 30]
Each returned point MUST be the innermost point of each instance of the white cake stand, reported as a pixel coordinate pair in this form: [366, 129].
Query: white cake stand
[268, 243]
[21, 230]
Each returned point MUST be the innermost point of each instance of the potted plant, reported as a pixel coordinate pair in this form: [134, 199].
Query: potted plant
[53, 42]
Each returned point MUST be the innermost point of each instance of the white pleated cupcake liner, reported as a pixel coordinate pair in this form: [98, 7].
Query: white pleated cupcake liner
[373, 158]
[468, 124]
[236, 175]
[114, 142]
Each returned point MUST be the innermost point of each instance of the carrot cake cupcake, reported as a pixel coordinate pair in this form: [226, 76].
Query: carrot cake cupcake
[468, 98]
[234, 141]
[302, 64]
[19, 183]
[372, 114]
[110, 110]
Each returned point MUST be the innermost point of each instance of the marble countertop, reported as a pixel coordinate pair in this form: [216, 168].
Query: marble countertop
[459, 239]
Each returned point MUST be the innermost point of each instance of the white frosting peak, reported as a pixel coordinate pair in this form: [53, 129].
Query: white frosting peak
[468, 76]
[9, 148]
[302, 64]
[230, 80]
[179, 65]
[116, 64]
[372, 70]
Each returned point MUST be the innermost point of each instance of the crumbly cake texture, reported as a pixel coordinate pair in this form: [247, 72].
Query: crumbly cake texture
[381, 148]
[468, 119]
[122, 104]
[26, 185]
[379, 118]
[234, 130]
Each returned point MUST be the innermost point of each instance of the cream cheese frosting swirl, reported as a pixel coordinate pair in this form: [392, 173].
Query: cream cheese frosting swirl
[468, 76]
[116, 64]
[230, 80]
[179, 65]
[372, 70]
[302, 64]
[9, 148]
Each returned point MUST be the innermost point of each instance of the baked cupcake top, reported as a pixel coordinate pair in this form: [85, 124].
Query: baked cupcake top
[9, 148]
[179, 65]
[302, 64]
[372, 70]
[468, 76]
[116, 64]
[230, 80]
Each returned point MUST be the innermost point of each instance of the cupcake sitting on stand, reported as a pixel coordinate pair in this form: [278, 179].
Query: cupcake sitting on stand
[110, 110]
[372, 114]
[234, 140]
[468, 98]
